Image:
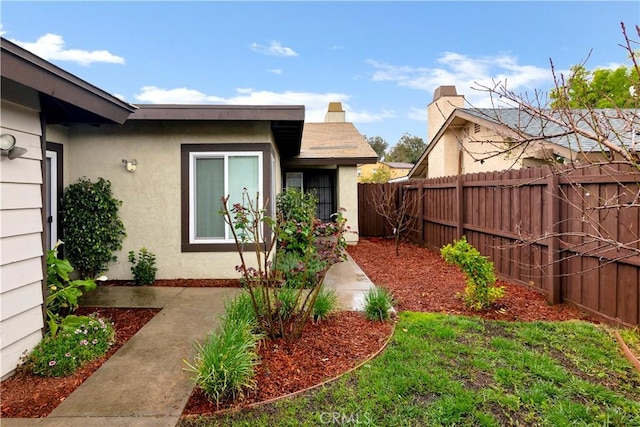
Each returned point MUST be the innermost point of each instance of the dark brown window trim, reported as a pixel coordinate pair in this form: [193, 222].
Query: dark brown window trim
[185, 149]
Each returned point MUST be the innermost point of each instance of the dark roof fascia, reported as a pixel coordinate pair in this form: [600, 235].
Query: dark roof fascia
[324, 161]
[34, 72]
[287, 121]
[218, 112]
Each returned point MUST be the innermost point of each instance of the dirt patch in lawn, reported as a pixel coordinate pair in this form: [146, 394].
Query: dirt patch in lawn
[25, 395]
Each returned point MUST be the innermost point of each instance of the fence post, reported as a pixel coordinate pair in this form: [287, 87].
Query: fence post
[553, 245]
[420, 212]
[459, 206]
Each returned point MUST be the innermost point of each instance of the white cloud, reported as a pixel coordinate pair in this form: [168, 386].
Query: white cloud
[277, 71]
[315, 103]
[466, 73]
[2, 31]
[274, 49]
[51, 47]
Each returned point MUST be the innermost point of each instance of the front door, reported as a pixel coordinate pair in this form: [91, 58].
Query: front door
[322, 184]
[53, 191]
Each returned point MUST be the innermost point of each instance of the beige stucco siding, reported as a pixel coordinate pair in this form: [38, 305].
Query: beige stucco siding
[348, 199]
[20, 235]
[443, 159]
[151, 196]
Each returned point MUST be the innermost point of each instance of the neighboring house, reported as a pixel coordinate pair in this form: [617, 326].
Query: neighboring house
[467, 140]
[168, 164]
[327, 165]
[396, 169]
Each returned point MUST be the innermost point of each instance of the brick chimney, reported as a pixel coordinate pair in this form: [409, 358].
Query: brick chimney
[445, 100]
[335, 113]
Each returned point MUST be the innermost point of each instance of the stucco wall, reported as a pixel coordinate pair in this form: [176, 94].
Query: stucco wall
[348, 199]
[151, 209]
[443, 158]
[21, 249]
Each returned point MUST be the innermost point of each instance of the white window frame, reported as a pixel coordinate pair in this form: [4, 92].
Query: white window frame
[193, 156]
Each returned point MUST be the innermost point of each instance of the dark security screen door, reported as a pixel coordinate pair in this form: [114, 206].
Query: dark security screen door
[322, 186]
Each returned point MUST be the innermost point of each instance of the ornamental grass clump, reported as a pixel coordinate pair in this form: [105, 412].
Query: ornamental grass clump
[326, 304]
[224, 365]
[79, 340]
[480, 292]
[378, 303]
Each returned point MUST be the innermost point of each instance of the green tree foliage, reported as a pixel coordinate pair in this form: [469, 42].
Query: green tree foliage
[380, 176]
[379, 145]
[601, 88]
[91, 225]
[408, 149]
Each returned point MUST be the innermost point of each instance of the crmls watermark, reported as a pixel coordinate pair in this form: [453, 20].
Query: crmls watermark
[341, 418]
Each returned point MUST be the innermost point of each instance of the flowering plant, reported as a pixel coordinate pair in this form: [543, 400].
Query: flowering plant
[80, 339]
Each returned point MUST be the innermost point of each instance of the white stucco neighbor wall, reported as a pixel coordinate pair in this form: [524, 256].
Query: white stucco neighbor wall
[347, 177]
[151, 196]
[21, 274]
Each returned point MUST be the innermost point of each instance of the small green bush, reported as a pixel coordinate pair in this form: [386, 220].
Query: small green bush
[91, 225]
[240, 310]
[80, 340]
[325, 304]
[480, 292]
[143, 267]
[378, 302]
[224, 365]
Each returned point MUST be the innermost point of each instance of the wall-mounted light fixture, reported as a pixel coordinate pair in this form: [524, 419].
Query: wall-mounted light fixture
[131, 164]
[8, 147]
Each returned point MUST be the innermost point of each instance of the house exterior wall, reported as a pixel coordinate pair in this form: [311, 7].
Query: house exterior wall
[21, 248]
[443, 159]
[151, 196]
[347, 186]
[367, 170]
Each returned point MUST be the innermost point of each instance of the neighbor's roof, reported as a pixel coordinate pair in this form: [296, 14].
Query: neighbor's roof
[398, 165]
[535, 126]
[333, 143]
[515, 118]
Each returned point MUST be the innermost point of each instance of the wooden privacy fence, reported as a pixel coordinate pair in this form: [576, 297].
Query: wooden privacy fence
[556, 233]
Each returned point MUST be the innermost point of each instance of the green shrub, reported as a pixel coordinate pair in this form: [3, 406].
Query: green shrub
[378, 302]
[240, 310]
[296, 212]
[480, 292]
[224, 365]
[91, 226]
[63, 294]
[144, 267]
[80, 340]
[326, 303]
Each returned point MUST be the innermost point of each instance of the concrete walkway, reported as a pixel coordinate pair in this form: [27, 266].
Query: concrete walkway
[144, 384]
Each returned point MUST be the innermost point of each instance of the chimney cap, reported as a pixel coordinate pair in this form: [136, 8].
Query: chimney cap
[335, 107]
[443, 91]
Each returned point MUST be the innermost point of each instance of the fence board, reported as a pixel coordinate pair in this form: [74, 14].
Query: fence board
[510, 217]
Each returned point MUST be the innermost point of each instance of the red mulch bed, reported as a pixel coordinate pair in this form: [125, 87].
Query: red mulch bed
[325, 350]
[25, 395]
[421, 281]
[418, 279]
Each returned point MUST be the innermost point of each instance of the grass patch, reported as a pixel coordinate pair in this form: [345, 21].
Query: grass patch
[451, 370]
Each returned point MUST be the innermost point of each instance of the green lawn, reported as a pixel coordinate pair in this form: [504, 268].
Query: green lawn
[452, 370]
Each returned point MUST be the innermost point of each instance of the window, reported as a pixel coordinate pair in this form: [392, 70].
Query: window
[210, 172]
[294, 180]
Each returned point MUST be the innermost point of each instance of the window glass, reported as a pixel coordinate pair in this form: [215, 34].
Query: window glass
[209, 187]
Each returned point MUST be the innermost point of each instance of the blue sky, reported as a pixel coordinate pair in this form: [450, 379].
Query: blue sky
[382, 60]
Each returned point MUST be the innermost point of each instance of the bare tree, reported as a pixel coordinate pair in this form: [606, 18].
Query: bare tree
[606, 141]
[397, 209]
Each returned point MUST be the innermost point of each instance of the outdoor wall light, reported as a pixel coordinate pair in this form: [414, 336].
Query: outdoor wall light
[8, 147]
[131, 164]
